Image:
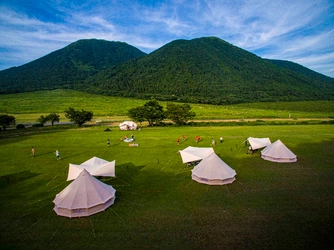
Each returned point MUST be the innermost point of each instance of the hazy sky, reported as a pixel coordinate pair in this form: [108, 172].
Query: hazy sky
[301, 31]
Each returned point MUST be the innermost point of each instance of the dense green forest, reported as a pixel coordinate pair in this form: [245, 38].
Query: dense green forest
[208, 70]
[203, 70]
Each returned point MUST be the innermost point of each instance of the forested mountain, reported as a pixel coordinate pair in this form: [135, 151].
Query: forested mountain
[67, 66]
[202, 70]
[208, 70]
[297, 68]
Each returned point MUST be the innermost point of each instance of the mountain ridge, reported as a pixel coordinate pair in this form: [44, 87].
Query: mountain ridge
[207, 70]
[201, 70]
[64, 67]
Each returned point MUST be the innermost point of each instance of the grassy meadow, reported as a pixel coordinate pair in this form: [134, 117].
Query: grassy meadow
[28, 107]
[158, 205]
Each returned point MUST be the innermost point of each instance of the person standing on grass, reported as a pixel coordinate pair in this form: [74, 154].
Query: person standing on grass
[57, 155]
[221, 139]
[33, 152]
[213, 143]
[178, 141]
[108, 142]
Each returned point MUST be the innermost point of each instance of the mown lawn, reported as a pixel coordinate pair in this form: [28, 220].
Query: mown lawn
[158, 206]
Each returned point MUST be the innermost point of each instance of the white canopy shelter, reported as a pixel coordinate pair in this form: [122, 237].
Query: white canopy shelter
[278, 152]
[257, 143]
[191, 154]
[213, 171]
[128, 125]
[84, 196]
[95, 166]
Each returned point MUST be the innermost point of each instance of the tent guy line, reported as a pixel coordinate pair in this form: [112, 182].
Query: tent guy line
[56, 230]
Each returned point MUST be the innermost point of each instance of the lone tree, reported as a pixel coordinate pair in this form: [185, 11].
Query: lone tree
[53, 117]
[152, 112]
[179, 114]
[6, 120]
[137, 114]
[78, 117]
[42, 119]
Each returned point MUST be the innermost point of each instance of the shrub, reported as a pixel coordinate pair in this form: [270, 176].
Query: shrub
[37, 125]
[19, 126]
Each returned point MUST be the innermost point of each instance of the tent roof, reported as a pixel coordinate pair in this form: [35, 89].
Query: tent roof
[84, 192]
[213, 168]
[278, 152]
[191, 154]
[95, 166]
[128, 125]
[257, 143]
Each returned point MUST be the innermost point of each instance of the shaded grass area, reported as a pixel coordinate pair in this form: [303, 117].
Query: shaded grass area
[158, 206]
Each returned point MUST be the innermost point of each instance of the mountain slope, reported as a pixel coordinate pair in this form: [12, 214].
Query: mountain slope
[64, 67]
[297, 68]
[202, 70]
[208, 70]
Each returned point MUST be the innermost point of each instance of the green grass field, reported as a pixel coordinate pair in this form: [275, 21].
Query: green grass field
[158, 206]
[28, 107]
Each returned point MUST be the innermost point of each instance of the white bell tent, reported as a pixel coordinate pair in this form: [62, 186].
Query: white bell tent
[128, 125]
[95, 166]
[191, 154]
[257, 143]
[84, 196]
[213, 171]
[278, 152]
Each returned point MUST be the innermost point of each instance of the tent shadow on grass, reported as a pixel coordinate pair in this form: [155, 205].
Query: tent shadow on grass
[126, 171]
[11, 179]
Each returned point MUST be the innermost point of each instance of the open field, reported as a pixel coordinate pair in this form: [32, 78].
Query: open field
[158, 206]
[28, 107]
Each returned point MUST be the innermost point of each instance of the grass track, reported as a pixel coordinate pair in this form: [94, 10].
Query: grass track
[158, 206]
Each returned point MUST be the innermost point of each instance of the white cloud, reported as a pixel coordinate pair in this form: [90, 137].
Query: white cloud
[283, 29]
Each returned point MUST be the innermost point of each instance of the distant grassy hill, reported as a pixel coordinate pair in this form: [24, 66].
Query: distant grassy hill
[68, 66]
[203, 70]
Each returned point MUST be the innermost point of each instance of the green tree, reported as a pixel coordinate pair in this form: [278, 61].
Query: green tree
[137, 114]
[53, 117]
[42, 119]
[153, 112]
[6, 120]
[179, 114]
[78, 117]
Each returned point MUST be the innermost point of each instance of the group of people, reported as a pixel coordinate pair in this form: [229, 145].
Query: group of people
[183, 139]
[125, 139]
[56, 153]
[198, 139]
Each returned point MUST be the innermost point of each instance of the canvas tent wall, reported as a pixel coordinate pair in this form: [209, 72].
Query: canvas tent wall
[128, 125]
[95, 166]
[213, 171]
[257, 143]
[191, 154]
[84, 196]
[278, 152]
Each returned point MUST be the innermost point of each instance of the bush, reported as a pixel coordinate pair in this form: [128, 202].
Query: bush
[37, 125]
[19, 126]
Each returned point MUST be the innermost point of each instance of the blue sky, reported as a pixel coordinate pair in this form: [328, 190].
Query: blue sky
[301, 31]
